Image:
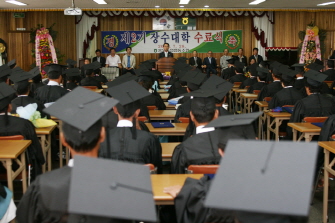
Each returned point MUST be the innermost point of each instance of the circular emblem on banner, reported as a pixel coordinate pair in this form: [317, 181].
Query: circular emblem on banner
[232, 41]
[110, 41]
[185, 21]
[163, 22]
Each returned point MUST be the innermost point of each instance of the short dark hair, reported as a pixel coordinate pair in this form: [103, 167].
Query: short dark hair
[54, 74]
[128, 47]
[313, 89]
[82, 141]
[195, 51]
[288, 81]
[263, 78]
[239, 69]
[277, 73]
[128, 110]
[147, 84]
[255, 49]
[98, 51]
[37, 78]
[203, 109]
[112, 49]
[167, 44]
[22, 87]
[240, 49]
[330, 63]
[89, 72]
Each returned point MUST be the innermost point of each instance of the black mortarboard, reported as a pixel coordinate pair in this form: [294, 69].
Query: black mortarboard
[147, 65]
[71, 62]
[262, 171]
[11, 63]
[20, 75]
[318, 61]
[194, 78]
[315, 66]
[72, 72]
[35, 71]
[234, 120]
[275, 64]
[298, 67]
[121, 79]
[204, 93]
[231, 60]
[238, 64]
[5, 92]
[287, 74]
[92, 66]
[315, 78]
[140, 70]
[5, 70]
[127, 92]
[262, 72]
[150, 74]
[120, 190]
[215, 82]
[81, 108]
[264, 64]
[54, 67]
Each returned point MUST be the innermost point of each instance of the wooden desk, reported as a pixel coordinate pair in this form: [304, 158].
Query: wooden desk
[160, 181]
[231, 99]
[238, 99]
[307, 130]
[169, 107]
[11, 150]
[104, 86]
[273, 126]
[44, 134]
[328, 147]
[163, 82]
[178, 130]
[262, 105]
[164, 96]
[167, 150]
[162, 91]
[162, 114]
[248, 99]
[98, 90]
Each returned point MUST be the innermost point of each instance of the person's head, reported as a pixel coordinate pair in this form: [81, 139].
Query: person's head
[194, 53]
[128, 50]
[203, 110]
[209, 53]
[147, 84]
[276, 74]
[287, 80]
[330, 64]
[98, 53]
[262, 77]
[128, 111]
[37, 78]
[252, 61]
[255, 51]
[89, 73]
[166, 47]
[55, 76]
[225, 52]
[312, 88]
[238, 69]
[87, 61]
[240, 51]
[113, 51]
[83, 142]
[22, 87]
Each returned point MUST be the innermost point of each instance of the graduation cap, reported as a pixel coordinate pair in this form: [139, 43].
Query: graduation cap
[234, 120]
[5, 70]
[194, 78]
[287, 74]
[239, 66]
[275, 64]
[72, 72]
[315, 78]
[5, 92]
[215, 82]
[121, 190]
[81, 108]
[264, 64]
[147, 65]
[318, 61]
[262, 72]
[92, 66]
[71, 62]
[128, 92]
[54, 67]
[231, 60]
[267, 178]
[35, 71]
[298, 67]
[205, 93]
[11, 63]
[20, 75]
[121, 79]
[315, 66]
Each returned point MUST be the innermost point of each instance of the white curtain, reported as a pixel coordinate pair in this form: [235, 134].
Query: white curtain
[263, 24]
[82, 29]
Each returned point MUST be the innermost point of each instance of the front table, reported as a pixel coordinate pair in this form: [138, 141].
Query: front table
[308, 130]
[44, 134]
[160, 181]
[179, 129]
[273, 126]
[169, 107]
[162, 115]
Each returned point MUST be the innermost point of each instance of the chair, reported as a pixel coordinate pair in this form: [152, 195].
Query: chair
[14, 137]
[267, 99]
[142, 118]
[256, 91]
[315, 119]
[152, 107]
[152, 168]
[110, 72]
[184, 120]
[329, 83]
[90, 87]
[237, 84]
[202, 169]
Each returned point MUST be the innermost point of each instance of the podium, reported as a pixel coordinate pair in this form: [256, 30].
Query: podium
[165, 64]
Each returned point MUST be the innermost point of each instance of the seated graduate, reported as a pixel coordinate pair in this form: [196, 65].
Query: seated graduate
[52, 91]
[46, 199]
[239, 74]
[288, 95]
[262, 76]
[330, 72]
[22, 87]
[72, 78]
[194, 79]
[252, 79]
[315, 104]
[299, 82]
[260, 173]
[89, 80]
[36, 80]
[5, 71]
[146, 80]
[125, 142]
[177, 89]
[180, 69]
[10, 125]
[230, 70]
[271, 89]
[316, 66]
[82, 69]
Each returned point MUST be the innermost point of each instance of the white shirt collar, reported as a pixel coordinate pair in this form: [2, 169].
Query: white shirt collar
[201, 129]
[124, 123]
[276, 80]
[70, 163]
[288, 86]
[53, 83]
[22, 96]
[5, 113]
[300, 78]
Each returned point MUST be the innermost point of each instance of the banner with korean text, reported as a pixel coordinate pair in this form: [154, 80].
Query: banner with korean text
[182, 41]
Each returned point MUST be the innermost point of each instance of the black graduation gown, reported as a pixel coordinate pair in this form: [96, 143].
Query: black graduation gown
[101, 79]
[183, 110]
[20, 126]
[153, 100]
[228, 73]
[286, 96]
[248, 82]
[24, 101]
[184, 99]
[237, 78]
[46, 200]
[71, 86]
[33, 88]
[90, 81]
[257, 86]
[146, 148]
[299, 84]
[176, 90]
[324, 90]
[269, 90]
[331, 74]
[314, 105]
[49, 93]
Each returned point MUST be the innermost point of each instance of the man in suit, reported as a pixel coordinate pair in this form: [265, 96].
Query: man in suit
[99, 58]
[243, 59]
[166, 52]
[195, 60]
[210, 64]
[258, 58]
[128, 62]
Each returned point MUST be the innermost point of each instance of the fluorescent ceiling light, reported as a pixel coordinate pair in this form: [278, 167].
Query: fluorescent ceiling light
[181, 6]
[157, 6]
[184, 2]
[326, 3]
[100, 2]
[15, 2]
[256, 2]
[206, 6]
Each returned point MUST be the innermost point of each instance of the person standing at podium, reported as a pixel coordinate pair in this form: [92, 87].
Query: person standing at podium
[166, 52]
